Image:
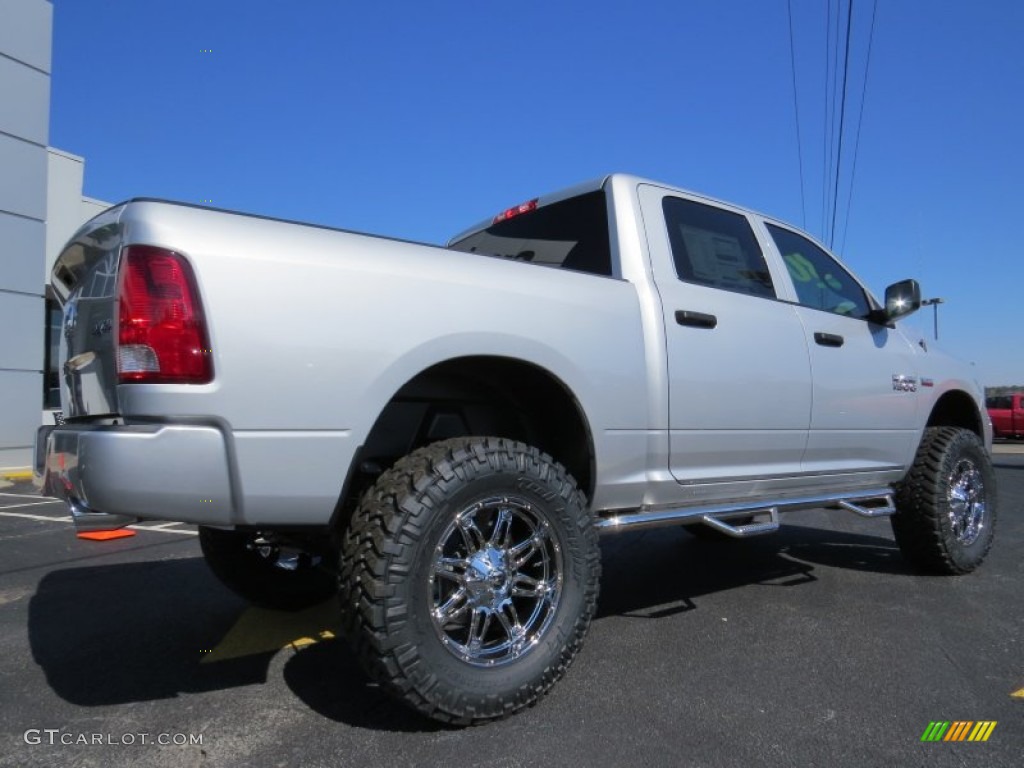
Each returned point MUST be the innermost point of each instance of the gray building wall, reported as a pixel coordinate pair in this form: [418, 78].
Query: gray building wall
[66, 209]
[25, 44]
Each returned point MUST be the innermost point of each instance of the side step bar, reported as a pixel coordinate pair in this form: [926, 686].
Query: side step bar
[746, 529]
[877, 502]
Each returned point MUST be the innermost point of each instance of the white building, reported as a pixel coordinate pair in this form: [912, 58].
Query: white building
[41, 204]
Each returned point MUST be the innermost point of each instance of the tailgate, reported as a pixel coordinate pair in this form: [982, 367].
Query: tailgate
[84, 280]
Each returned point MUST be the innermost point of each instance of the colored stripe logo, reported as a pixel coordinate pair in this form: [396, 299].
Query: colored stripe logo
[958, 730]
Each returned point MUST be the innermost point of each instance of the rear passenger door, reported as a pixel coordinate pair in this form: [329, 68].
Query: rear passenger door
[864, 413]
[738, 370]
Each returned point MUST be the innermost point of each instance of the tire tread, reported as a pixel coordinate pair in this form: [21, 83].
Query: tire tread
[920, 525]
[380, 543]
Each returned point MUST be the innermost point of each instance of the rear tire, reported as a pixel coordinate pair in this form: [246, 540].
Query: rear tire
[469, 576]
[256, 568]
[946, 506]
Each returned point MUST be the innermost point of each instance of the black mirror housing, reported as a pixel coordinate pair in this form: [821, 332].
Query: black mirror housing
[902, 299]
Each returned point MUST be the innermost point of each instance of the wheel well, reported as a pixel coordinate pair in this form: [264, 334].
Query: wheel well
[956, 409]
[476, 396]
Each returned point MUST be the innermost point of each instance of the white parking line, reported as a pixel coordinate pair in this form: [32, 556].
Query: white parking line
[43, 518]
[29, 496]
[161, 528]
[30, 504]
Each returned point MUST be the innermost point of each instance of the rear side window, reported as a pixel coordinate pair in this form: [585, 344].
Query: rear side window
[716, 248]
[570, 234]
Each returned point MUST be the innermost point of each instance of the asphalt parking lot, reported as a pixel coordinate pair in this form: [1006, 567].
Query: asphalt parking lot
[812, 647]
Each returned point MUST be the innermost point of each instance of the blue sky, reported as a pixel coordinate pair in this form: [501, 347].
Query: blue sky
[417, 119]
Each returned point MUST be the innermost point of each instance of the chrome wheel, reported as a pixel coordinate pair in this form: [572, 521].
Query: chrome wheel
[967, 502]
[496, 581]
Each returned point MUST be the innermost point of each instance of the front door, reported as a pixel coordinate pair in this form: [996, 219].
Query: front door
[864, 413]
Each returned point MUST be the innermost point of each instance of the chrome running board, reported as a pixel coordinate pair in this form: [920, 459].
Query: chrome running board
[870, 503]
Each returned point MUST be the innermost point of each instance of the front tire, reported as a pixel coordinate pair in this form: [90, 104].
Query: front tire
[946, 506]
[469, 576]
[260, 569]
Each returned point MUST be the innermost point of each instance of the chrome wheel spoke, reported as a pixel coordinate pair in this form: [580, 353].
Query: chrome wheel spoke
[471, 534]
[453, 568]
[525, 586]
[510, 623]
[502, 529]
[524, 550]
[478, 626]
[452, 607]
[495, 581]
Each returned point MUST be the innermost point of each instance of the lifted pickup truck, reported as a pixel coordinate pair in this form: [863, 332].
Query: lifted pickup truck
[443, 433]
[1007, 414]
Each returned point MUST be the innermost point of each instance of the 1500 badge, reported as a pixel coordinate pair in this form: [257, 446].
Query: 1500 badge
[903, 383]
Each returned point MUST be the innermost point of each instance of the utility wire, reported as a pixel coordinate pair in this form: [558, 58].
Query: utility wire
[860, 120]
[825, 117]
[796, 110]
[842, 122]
[830, 170]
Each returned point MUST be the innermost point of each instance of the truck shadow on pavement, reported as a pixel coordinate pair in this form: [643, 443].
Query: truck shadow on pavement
[116, 634]
[650, 574]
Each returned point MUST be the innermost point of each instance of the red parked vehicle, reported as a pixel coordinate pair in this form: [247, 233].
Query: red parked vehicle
[1007, 414]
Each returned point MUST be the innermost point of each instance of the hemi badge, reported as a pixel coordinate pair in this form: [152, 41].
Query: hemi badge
[927, 383]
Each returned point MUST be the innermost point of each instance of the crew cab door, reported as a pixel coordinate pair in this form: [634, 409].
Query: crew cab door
[738, 369]
[865, 380]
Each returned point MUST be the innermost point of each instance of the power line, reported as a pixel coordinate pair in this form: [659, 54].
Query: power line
[832, 130]
[860, 120]
[796, 110]
[842, 123]
[825, 118]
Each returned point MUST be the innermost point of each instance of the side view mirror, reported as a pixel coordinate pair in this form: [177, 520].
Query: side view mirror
[901, 299]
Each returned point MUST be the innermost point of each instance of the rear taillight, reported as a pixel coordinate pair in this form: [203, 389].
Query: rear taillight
[161, 332]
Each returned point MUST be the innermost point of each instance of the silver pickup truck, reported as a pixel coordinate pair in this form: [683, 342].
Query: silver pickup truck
[439, 435]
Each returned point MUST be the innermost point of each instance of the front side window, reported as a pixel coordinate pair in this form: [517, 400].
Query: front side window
[819, 280]
[716, 248]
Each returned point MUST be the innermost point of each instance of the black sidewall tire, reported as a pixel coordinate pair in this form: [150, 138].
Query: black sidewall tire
[486, 683]
[922, 524]
[388, 552]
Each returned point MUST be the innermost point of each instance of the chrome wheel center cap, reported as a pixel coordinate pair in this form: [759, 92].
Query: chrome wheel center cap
[487, 579]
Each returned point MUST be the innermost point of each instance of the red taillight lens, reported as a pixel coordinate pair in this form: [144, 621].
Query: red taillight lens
[161, 332]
